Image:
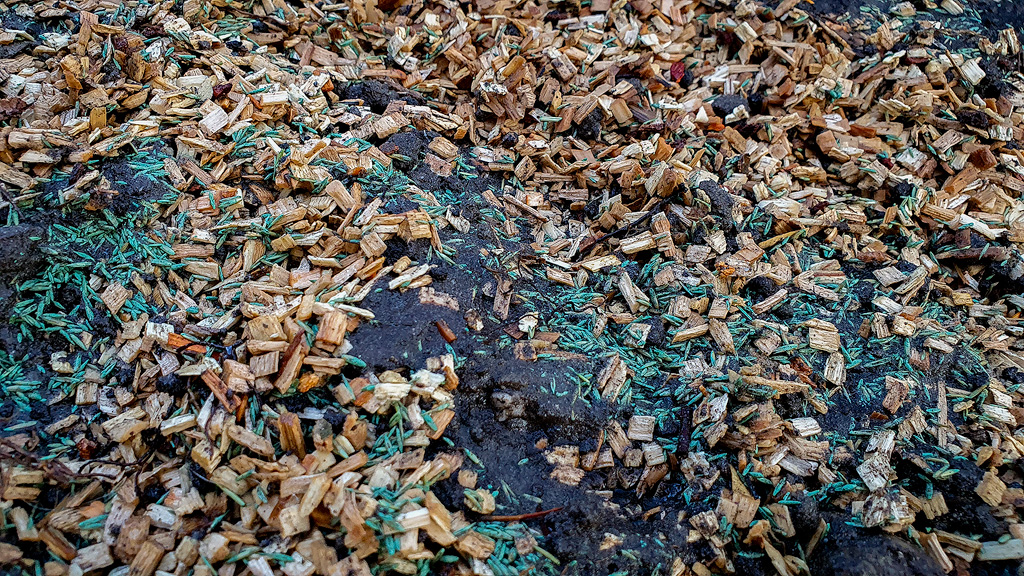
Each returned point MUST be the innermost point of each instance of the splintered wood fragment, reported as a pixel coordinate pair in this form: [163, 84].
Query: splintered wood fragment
[293, 522]
[612, 377]
[640, 243]
[290, 429]
[938, 345]
[835, 368]
[874, 471]
[898, 391]
[560, 277]
[214, 118]
[23, 525]
[475, 545]
[991, 489]
[972, 71]
[780, 386]
[274, 98]
[147, 559]
[443, 148]
[372, 245]
[630, 292]
[115, 296]
[176, 424]
[524, 207]
[251, 440]
[798, 466]
[332, 329]
[641, 428]
[568, 475]
[59, 545]
[654, 454]
[340, 194]
[823, 339]
[318, 488]
[770, 302]
[442, 419]
[9, 554]
[95, 557]
[502, 298]
[264, 364]
[293, 359]
[889, 275]
[690, 333]
[416, 225]
[237, 376]
[439, 527]
[596, 264]
[1012, 549]
[722, 336]
[958, 541]
[225, 396]
[389, 125]
[805, 427]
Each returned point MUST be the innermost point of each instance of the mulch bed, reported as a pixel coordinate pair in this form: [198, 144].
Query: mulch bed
[685, 287]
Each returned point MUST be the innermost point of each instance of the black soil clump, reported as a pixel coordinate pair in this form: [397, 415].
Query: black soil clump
[590, 127]
[20, 258]
[404, 333]
[19, 252]
[412, 144]
[133, 188]
[973, 118]
[376, 94]
[967, 512]
[726, 103]
[721, 201]
[850, 551]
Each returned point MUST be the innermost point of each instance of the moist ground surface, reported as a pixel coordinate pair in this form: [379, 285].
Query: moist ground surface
[519, 396]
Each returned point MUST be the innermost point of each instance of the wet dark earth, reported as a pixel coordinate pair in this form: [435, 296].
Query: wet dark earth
[991, 15]
[47, 244]
[509, 410]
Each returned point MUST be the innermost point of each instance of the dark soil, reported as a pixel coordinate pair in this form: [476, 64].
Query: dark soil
[20, 258]
[837, 7]
[849, 551]
[25, 254]
[13, 21]
[508, 410]
[504, 409]
[133, 189]
[376, 94]
[500, 397]
[19, 254]
[1000, 13]
[995, 14]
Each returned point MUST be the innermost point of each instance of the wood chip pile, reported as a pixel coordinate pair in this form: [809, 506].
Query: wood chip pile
[806, 234]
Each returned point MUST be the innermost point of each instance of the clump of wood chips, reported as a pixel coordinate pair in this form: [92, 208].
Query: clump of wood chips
[789, 247]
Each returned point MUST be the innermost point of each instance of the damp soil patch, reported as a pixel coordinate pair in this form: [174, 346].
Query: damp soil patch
[981, 16]
[46, 303]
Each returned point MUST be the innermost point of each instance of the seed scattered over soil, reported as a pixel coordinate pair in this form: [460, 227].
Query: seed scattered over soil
[495, 287]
